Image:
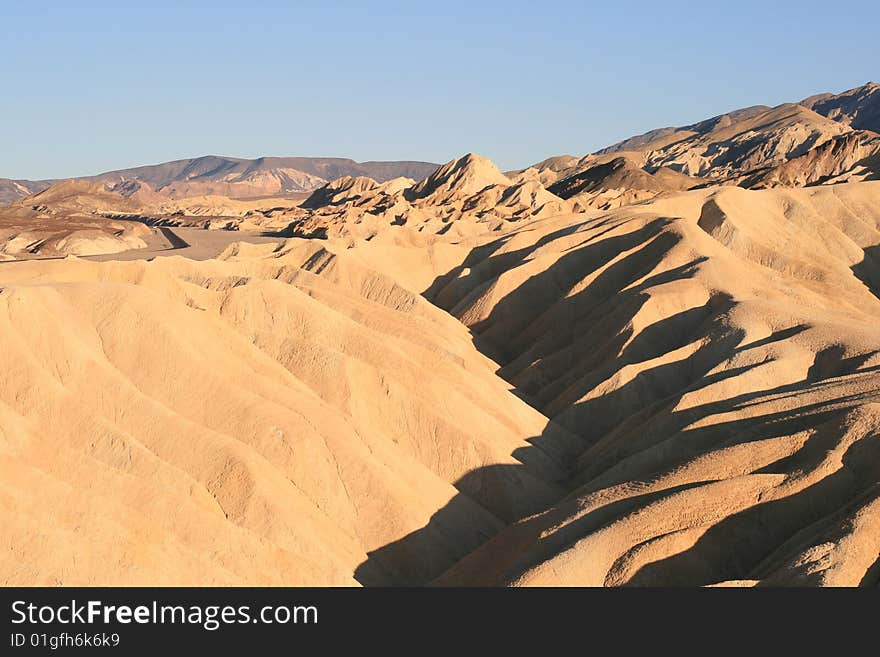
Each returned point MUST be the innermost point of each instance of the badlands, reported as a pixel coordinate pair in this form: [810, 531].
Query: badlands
[657, 364]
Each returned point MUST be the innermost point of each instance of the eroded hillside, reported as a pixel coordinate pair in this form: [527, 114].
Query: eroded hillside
[653, 365]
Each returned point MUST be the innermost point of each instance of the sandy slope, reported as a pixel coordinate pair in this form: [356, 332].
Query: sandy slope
[718, 355]
[263, 418]
[683, 391]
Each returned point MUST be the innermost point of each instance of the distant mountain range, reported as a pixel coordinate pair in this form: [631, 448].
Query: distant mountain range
[826, 138]
[235, 177]
[858, 109]
[12, 190]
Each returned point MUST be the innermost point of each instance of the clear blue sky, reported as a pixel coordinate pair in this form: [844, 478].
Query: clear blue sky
[92, 86]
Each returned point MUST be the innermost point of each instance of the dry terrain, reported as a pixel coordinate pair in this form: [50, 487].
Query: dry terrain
[654, 365]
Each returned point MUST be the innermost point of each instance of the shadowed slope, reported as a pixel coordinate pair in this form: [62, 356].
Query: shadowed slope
[725, 388]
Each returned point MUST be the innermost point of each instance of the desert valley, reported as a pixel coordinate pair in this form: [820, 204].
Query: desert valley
[655, 364]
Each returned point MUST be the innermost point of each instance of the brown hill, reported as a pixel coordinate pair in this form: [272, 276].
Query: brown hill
[236, 177]
[858, 108]
[464, 197]
[265, 176]
[339, 191]
[659, 136]
[825, 139]
[12, 190]
[848, 158]
[78, 196]
[457, 179]
[610, 183]
[69, 218]
[717, 354]
[732, 148]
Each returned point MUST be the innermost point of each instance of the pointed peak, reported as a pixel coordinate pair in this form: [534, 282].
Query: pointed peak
[464, 176]
[340, 190]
